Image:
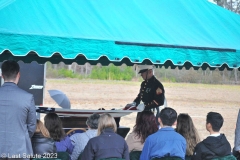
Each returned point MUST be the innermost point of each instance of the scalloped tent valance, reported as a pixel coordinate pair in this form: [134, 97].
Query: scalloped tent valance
[175, 33]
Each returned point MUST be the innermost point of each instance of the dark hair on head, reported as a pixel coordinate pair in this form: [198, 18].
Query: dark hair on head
[54, 125]
[145, 125]
[168, 116]
[10, 69]
[92, 121]
[186, 128]
[216, 120]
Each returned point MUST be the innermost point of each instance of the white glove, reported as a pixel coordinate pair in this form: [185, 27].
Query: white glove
[132, 104]
[141, 107]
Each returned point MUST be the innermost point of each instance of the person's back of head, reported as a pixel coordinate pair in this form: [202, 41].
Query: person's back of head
[92, 121]
[54, 125]
[41, 141]
[168, 116]
[216, 121]
[185, 125]
[145, 125]
[10, 70]
[106, 121]
[42, 129]
[186, 128]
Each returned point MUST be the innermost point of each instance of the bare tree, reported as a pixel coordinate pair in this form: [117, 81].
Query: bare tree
[232, 5]
[235, 75]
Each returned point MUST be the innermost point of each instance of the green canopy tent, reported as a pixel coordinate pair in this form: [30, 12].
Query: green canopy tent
[176, 33]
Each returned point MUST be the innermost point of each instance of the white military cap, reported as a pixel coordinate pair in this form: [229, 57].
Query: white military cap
[144, 68]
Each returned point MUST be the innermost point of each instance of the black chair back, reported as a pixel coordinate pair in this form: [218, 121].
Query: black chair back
[112, 159]
[228, 157]
[63, 155]
[167, 158]
[135, 155]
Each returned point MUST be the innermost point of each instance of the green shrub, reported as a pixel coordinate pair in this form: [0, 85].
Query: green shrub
[112, 72]
[61, 71]
[66, 73]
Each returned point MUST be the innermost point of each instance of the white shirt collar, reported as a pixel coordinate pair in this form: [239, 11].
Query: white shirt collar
[215, 135]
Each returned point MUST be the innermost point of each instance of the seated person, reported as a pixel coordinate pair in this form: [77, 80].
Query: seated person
[145, 125]
[41, 141]
[186, 128]
[79, 140]
[236, 148]
[216, 144]
[166, 142]
[107, 144]
[54, 125]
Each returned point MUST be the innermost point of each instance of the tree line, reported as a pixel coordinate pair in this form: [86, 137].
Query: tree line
[130, 73]
[232, 5]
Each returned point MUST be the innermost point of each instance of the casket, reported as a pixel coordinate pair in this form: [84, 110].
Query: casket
[76, 118]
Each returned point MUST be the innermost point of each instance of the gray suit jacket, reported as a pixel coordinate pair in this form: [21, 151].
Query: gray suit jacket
[17, 120]
[237, 134]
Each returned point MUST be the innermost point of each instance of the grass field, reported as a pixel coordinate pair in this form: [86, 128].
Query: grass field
[195, 99]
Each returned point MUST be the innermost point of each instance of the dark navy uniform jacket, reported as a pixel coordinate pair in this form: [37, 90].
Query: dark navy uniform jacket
[151, 93]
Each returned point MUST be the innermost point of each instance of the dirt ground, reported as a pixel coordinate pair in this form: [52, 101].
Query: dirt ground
[195, 99]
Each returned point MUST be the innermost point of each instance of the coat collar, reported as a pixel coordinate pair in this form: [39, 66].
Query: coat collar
[166, 129]
[107, 130]
[9, 84]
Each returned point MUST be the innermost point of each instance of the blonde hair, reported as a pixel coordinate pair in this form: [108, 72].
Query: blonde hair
[187, 129]
[106, 121]
[42, 129]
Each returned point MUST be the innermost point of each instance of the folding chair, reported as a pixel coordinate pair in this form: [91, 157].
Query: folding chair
[76, 130]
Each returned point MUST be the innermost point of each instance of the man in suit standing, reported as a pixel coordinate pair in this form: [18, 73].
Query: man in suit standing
[17, 115]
